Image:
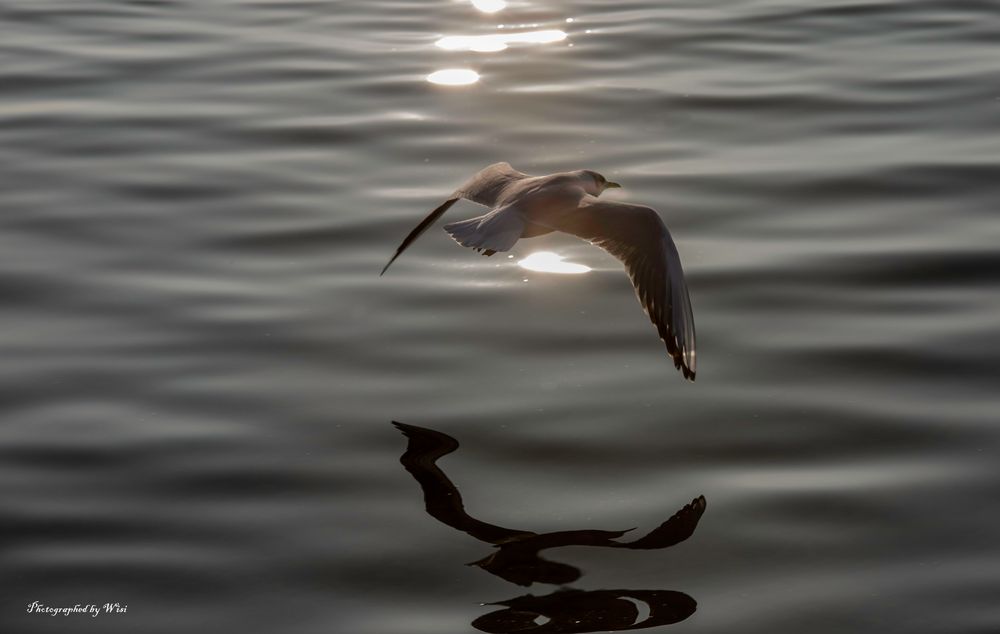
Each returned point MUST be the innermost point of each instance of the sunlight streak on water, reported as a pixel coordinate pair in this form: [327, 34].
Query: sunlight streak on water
[499, 41]
[453, 77]
[489, 6]
[548, 262]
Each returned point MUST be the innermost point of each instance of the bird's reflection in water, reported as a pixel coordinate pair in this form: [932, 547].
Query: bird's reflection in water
[516, 558]
[578, 611]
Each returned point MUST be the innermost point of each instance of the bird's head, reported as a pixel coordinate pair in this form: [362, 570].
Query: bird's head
[594, 183]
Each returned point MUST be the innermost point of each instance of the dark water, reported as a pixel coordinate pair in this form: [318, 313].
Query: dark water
[200, 363]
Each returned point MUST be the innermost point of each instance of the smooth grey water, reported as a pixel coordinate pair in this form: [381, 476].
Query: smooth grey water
[200, 362]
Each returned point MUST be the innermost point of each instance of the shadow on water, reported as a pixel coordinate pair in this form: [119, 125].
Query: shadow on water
[517, 560]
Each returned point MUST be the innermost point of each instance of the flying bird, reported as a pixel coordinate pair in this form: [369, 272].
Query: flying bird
[523, 206]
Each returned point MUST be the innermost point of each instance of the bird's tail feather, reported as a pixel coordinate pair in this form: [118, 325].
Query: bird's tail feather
[495, 231]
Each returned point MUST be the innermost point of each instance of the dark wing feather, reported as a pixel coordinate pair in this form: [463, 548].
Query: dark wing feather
[424, 225]
[485, 188]
[637, 236]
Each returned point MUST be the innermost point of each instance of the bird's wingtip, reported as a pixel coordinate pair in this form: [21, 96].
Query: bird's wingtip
[686, 371]
[387, 265]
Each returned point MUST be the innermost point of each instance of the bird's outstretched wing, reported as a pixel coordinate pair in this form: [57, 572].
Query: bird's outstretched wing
[486, 187]
[419, 229]
[637, 236]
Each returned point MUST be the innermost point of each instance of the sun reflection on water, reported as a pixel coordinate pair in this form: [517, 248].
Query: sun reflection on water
[548, 262]
[489, 6]
[498, 41]
[454, 77]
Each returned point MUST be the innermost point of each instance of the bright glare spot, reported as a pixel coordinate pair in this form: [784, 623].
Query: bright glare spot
[499, 41]
[454, 77]
[548, 262]
[569, 19]
[477, 43]
[489, 6]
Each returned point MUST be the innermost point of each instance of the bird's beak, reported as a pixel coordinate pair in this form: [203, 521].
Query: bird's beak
[611, 185]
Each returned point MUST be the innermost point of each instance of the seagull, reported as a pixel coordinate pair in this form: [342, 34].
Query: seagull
[523, 206]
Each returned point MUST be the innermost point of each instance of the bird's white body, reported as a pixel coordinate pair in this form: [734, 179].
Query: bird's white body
[523, 206]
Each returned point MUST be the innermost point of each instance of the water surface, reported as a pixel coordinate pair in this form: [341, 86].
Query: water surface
[201, 363]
